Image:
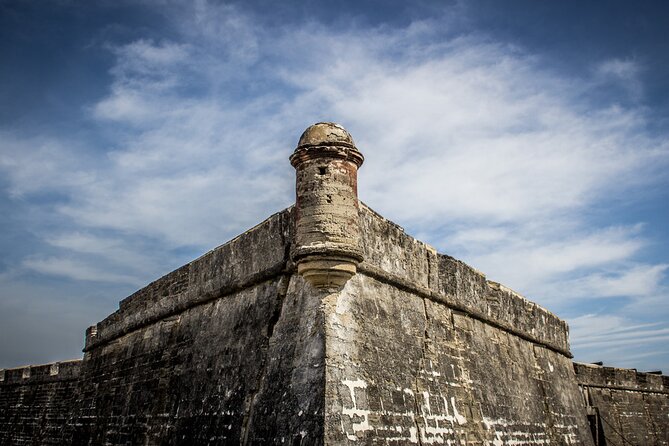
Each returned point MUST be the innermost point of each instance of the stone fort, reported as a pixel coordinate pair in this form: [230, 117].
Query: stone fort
[327, 324]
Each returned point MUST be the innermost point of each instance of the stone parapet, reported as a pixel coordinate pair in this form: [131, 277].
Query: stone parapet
[624, 406]
[387, 250]
[36, 402]
[253, 257]
[395, 257]
[500, 304]
[592, 375]
[387, 247]
[40, 374]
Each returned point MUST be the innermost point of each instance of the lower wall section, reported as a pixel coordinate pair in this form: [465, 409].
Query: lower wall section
[36, 402]
[401, 369]
[625, 407]
[247, 368]
[280, 362]
[243, 369]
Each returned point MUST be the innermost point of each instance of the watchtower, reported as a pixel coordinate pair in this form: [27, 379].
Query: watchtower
[327, 242]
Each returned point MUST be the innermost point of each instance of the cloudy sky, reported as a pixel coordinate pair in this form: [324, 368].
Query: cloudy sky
[529, 139]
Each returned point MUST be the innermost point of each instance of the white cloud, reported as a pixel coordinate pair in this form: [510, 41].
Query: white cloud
[125, 106]
[42, 165]
[539, 260]
[77, 270]
[119, 252]
[624, 72]
[145, 57]
[622, 69]
[619, 341]
[636, 280]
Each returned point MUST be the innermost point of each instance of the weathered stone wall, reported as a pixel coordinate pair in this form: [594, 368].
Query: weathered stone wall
[35, 402]
[417, 348]
[625, 407]
[225, 350]
[256, 342]
[244, 368]
[256, 255]
[392, 255]
[418, 352]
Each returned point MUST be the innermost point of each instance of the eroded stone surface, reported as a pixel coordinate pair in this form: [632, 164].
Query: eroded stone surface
[36, 402]
[327, 324]
[625, 406]
[402, 369]
[325, 133]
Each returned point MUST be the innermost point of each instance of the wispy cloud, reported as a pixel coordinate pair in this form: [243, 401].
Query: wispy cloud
[637, 280]
[76, 270]
[618, 340]
[532, 259]
[624, 72]
[42, 164]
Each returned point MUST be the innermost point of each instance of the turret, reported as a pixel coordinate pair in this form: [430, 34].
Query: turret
[327, 240]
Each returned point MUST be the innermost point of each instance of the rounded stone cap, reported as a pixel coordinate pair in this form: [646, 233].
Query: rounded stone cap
[326, 139]
[325, 134]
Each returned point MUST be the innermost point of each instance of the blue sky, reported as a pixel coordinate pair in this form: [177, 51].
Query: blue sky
[528, 139]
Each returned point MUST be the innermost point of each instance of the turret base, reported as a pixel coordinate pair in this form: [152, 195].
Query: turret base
[330, 272]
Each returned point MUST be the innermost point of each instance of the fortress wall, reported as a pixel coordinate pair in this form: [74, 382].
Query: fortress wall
[223, 270]
[247, 365]
[403, 369]
[236, 348]
[226, 349]
[416, 351]
[496, 304]
[391, 253]
[35, 402]
[256, 342]
[625, 406]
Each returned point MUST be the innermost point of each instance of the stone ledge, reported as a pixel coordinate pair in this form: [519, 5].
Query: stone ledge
[389, 253]
[496, 302]
[40, 374]
[222, 271]
[403, 284]
[615, 378]
[417, 265]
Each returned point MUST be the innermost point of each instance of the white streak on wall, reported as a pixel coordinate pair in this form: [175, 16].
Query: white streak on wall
[459, 418]
[354, 411]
